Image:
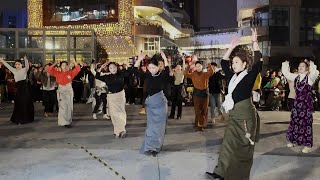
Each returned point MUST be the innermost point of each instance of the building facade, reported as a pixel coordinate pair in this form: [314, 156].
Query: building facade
[123, 27]
[286, 30]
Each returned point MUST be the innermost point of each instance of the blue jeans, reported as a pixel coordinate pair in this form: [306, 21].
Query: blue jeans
[215, 101]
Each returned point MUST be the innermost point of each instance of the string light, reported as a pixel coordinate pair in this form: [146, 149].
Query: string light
[120, 49]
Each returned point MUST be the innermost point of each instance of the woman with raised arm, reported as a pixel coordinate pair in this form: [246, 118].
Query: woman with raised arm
[200, 81]
[156, 105]
[23, 111]
[300, 129]
[101, 91]
[236, 153]
[65, 92]
[116, 98]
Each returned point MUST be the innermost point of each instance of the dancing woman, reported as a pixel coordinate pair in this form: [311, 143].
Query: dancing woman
[23, 111]
[48, 91]
[200, 81]
[300, 129]
[100, 94]
[65, 92]
[177, 98]
[156, 105]
[116, 98]
[236, 153]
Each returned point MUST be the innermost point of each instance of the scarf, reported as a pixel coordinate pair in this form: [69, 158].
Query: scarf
[228, 104]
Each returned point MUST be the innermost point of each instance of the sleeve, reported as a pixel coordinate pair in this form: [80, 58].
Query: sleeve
[166, 73]
[210, 71]
[52, 71]
[313, 73]
[93, 71]
[286, 72]
[26, 64]
[101, 77]
[187, 72]
[257, 63]
[11, 69]
[226, 68]
[75, 71]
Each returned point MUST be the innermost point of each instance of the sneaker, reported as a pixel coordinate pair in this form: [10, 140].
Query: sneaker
[213, 120]
[106, 116]
[306, 150]
[290, 145]
[142, 111]
[94, 116]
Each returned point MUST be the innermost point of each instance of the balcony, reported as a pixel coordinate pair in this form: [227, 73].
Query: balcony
[261, 30]
[150, 3]
[147, 28]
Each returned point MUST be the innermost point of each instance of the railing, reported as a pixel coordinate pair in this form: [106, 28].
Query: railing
[145, 22]
[187, 26]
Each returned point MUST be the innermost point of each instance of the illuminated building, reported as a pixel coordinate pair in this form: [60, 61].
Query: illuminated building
[122, 27]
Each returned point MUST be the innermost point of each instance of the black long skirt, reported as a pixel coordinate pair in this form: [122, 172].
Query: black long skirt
[23, 111]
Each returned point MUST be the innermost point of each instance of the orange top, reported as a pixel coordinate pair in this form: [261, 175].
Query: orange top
[64, 78]
[200, 80]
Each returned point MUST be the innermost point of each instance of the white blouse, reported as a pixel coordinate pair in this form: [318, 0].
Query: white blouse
[313, 73]
[20, 74]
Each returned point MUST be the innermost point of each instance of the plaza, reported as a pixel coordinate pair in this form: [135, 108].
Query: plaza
[42, 150]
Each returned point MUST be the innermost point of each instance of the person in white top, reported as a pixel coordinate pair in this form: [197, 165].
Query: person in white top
[292, 92]
[300, 128]
[23, 111]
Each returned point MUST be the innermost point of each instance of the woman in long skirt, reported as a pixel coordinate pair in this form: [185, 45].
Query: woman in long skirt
[156, 105]
[65, 91]
[300, 129]
[23, 111]
[236, 153]
[116, 98]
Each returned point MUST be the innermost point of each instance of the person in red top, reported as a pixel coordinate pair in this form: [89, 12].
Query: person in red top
[65, 91]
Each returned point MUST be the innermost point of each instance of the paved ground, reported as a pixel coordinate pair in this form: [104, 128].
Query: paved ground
[43, 150]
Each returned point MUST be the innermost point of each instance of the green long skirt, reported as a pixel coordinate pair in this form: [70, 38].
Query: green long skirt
[236, 153]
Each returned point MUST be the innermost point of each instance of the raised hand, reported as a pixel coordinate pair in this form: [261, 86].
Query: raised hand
[141, 56]
[235, 42]
[254, 35]
[74, 61]
[164, 57]
[25, 58]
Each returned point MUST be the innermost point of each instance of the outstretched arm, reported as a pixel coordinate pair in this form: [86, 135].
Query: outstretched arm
[313, 73]
[7, 65]
[285, 69]
[225, 60]
[26, 63]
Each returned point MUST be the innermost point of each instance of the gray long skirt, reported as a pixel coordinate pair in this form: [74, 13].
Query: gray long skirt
[157, 109]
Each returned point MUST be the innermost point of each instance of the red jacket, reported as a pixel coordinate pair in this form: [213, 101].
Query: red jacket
[66, 77]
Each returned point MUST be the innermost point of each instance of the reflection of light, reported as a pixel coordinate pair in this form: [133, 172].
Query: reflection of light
[49, 45]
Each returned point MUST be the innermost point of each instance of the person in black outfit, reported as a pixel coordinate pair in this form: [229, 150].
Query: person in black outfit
[116, 97]
[215, 97]
[156, 105]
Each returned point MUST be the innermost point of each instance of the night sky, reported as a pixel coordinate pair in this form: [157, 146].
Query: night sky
[13, 4]
[225, 9]
[210, 9]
